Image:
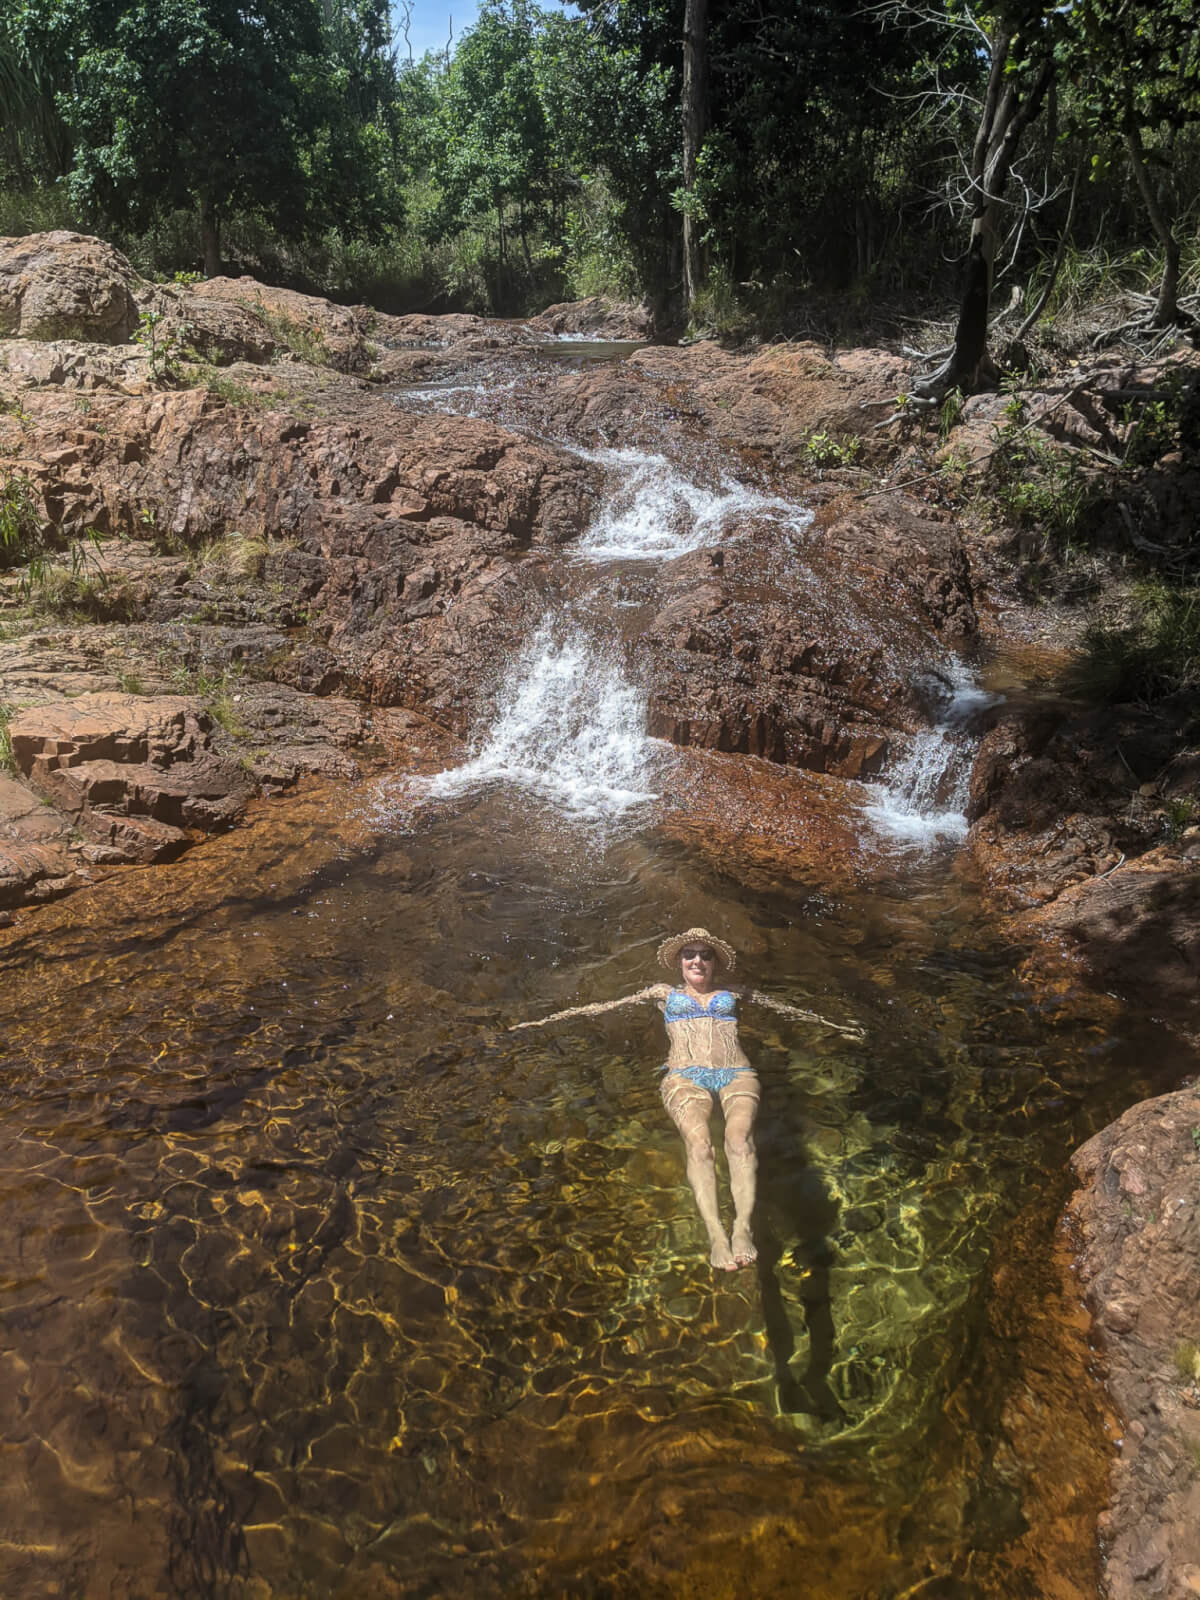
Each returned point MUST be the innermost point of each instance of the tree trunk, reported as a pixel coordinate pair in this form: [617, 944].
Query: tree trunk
[210, 239]
[695, 126]
[1166, 313]
[1009, 107]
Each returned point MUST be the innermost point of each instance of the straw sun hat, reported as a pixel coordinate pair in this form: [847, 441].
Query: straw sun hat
[668, 950]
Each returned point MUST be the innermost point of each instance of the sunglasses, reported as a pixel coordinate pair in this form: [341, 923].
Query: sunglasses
[697, 955]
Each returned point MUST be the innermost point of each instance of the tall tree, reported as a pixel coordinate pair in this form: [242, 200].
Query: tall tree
[191, 104]
[695, 126]
[1020, 42]
[1135, 66]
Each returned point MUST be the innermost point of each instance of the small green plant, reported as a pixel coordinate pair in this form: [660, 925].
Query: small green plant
[821, 450]
[165, 344]
[233, 390]
[23, 532]
[7, 763]
[187, 279]
[1154, 655]
[1187, 1360]
[1178, 814]
[84, 596]
[300, 338]
[14, 409]
[224, 708]
[1196, 1138]
[950, 414]
[1030, 484]
[129, 682]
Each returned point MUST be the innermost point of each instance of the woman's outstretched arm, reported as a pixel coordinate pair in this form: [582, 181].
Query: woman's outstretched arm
[851, 1030]
[656, 991]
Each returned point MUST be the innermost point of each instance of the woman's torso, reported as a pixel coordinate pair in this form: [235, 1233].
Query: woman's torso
[702, 1031]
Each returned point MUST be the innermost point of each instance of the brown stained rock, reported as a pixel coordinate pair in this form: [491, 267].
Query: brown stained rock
[34, 858]
[219, 330]
[66, 286]
[318, 330]
[131, 773]
[1138, 1217]
[74, 364]
[109, 727]
[817, 662]
[773, 400]
[596, 317]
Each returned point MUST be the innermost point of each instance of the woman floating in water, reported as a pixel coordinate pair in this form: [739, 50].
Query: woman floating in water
[706, 1063]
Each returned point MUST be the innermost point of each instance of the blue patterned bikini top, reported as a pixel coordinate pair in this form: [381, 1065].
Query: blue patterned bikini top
[683, 1007]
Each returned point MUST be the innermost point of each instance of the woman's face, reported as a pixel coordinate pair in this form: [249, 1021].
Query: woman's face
[698, 965]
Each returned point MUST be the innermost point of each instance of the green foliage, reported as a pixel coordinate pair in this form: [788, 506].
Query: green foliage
[1153, 656]
[7, 762]
[823, 450]
[81, 595]
[301, 338]
[166, 345]
[1187, 1360]
[23, 532]
[719, 312]
[1029, 484]
[1179, 812]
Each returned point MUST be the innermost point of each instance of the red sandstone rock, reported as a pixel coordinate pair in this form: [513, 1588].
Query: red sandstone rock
[332, 334]
[596, 317]
[131, 773]
[66, 286]
[1138, 1215]
[34, 859]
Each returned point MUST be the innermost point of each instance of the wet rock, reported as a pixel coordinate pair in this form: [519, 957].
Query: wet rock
[1068, 837]
[131, 773]
[817, 663]
[596, 317]
[34, 842]
[1137, 1215]
[66, 286]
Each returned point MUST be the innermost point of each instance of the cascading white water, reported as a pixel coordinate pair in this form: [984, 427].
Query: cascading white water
[656, 513]
[923, 801]
[570, 730]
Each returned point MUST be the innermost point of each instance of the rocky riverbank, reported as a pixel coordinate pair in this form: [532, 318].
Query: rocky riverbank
[254, 560]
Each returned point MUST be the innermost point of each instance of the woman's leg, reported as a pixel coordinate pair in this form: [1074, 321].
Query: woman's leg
[740, 1105]
[689, 1108]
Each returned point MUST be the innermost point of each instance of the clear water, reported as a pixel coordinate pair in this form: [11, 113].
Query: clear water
[317, 1282]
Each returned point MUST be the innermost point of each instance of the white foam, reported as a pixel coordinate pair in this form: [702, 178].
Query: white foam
[923, 801]
[570, 731]
[656, 513]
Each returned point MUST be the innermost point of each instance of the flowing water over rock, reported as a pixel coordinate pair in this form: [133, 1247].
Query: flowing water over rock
[317, 1281]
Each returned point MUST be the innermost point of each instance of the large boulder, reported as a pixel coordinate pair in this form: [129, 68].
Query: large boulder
[818, 660]
[66, 286]
[34, 846]
[597, 317]
[1138, 1217]
[133, 774]
[316, 330]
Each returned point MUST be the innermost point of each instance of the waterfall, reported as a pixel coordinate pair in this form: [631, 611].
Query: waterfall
[569, 731]
[655, 513]
[923, 800]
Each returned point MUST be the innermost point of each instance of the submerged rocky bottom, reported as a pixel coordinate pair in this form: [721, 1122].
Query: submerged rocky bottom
[316, 1282]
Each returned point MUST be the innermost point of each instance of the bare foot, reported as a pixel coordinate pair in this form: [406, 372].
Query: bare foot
[743, 1245]
[722, 1256]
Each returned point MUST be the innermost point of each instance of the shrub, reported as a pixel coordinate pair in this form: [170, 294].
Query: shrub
[1151, 657]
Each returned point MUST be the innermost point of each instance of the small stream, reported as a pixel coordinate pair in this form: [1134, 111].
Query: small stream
[315, 1281]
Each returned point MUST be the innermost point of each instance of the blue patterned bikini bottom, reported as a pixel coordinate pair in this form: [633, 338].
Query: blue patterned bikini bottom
[714, 1079]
